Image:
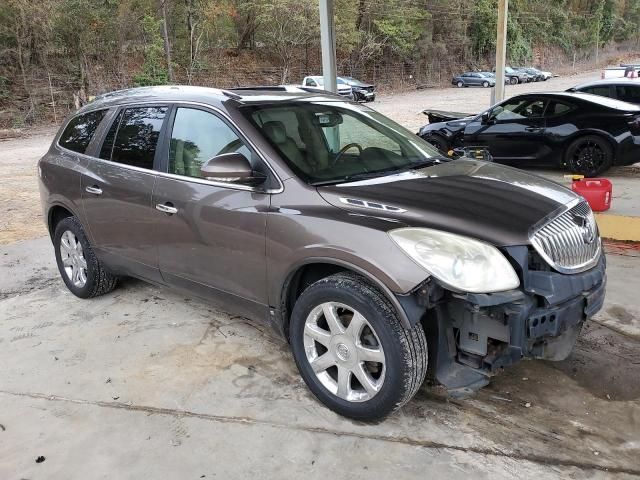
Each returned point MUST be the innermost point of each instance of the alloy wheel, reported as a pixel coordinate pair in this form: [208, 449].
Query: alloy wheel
[588, 157]
[344, 352]
[73, 261]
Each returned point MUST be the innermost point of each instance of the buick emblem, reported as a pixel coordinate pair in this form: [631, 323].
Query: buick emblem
[586, 228]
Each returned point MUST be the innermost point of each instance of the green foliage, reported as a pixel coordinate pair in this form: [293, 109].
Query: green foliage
[154, 69]
[4, 88]
[402, 32]
[95, 45]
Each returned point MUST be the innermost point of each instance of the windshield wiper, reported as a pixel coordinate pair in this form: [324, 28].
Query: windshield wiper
[383, 172]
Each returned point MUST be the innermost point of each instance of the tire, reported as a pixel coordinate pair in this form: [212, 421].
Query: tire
[96, 280]
[403, 351]
[514, 80]
[438, 142]
[485, 84]
[590, 155]
[460, 84]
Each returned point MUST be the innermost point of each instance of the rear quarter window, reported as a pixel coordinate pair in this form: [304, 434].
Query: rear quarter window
[80, 130]
[628, 93]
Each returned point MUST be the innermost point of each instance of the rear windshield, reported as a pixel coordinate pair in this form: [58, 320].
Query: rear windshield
[80, 130]
[333, 142]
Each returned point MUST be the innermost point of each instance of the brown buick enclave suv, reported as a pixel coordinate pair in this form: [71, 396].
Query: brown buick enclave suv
[369, 252]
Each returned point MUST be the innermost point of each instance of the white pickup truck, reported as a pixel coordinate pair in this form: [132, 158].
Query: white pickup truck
[316, 81]
[629, 71]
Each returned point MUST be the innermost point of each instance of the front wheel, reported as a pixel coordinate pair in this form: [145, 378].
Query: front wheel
[439, 142]
[485, 84]
[513, 80]
[589, 155]
[352, 351]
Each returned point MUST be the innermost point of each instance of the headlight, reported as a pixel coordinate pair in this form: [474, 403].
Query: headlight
[462, 263]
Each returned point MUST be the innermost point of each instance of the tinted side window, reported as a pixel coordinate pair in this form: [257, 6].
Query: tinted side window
[602, 91]
[628, 93]
[198, 136]
[137, 136]
[80, 130]
[518, 109]
[555, 109]
[107, 143]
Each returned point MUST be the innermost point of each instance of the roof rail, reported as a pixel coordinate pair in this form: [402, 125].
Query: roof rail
[273, 88]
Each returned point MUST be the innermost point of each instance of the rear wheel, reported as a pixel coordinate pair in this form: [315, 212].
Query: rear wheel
[352, 351]
[81, 271]
[460, 84]
[485, 84]
[589, 155]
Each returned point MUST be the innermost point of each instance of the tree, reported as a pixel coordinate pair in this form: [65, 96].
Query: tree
[284, 25]
[154, 70]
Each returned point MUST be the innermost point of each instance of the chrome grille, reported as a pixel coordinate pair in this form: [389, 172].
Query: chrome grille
[570, 242]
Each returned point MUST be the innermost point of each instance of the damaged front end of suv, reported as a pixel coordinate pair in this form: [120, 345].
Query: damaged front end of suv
[515, 281]
[473, 336]
[560, 282]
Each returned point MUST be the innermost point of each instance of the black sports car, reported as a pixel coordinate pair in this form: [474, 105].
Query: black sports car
[584, 133]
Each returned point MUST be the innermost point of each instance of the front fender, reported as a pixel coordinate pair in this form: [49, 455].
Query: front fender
[358, 268]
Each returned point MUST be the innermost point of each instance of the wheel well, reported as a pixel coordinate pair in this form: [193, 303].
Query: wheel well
[56, 214]
[299, 281]
[569, 141]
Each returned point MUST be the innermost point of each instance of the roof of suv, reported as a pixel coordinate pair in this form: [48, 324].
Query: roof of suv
[212, 96]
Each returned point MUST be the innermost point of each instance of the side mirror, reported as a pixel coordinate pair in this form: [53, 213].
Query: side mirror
[232, 168]
[485, 118]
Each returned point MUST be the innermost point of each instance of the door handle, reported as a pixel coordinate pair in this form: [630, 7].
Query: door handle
[534, 129]
[95, 190]
[167, 208]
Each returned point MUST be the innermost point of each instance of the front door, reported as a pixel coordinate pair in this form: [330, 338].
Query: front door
[211, 235]
[116, 192]
[513, 133]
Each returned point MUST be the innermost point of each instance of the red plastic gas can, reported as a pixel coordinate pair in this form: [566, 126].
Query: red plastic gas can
[597, 192]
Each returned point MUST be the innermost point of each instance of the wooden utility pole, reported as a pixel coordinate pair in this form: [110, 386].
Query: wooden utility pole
[501, 48]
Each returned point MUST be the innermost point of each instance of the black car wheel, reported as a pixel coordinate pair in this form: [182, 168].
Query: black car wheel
[352, 351]
[590, 156]
[485, 84]
[80, 269]
[439, 142]
[460, 84]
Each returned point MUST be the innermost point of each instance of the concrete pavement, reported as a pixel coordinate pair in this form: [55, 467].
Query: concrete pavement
[144, 382]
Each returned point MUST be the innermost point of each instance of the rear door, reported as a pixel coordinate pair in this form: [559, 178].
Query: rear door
[212, 240]
[514, 132]
[117, 187]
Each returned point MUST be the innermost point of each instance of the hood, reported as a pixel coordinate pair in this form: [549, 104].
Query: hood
[494, 203]
[452, 126]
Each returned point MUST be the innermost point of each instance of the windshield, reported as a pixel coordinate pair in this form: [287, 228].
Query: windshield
[350, 81]
[333, 142]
